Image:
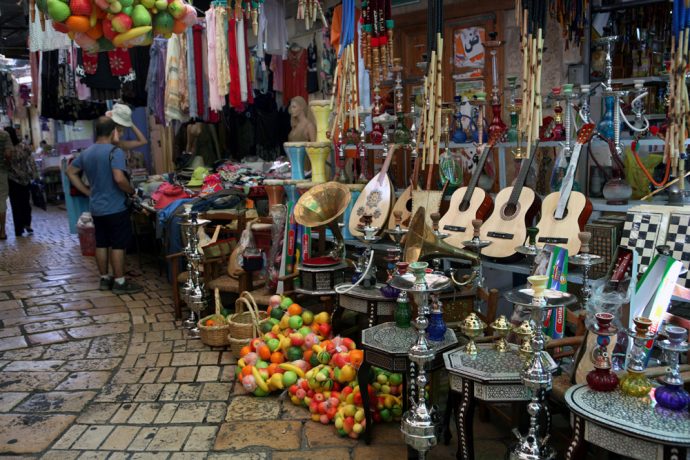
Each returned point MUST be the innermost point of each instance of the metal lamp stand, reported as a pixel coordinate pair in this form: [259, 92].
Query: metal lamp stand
[193, 291]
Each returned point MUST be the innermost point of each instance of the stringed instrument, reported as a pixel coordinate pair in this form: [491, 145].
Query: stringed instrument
[469, 203]
[514, 209]
[565, 213]
[404, 202]
[375, 199]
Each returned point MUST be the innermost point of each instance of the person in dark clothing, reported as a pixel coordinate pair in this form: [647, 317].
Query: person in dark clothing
[21, 171]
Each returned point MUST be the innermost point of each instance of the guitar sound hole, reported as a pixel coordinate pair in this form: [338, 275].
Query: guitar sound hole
[408, 205]
[510, 209]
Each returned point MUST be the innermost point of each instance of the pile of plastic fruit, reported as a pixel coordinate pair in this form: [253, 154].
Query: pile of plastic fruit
[297, 353]
[102, 25]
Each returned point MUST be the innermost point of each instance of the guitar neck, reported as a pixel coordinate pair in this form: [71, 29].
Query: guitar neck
[567, 183]
[386, 164]
[474, 180]
[522, 176]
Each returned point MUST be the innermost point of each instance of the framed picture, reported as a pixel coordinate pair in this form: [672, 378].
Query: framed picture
[469, 55]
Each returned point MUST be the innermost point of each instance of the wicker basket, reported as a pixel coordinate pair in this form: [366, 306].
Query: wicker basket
[244, 325]
[215, 336]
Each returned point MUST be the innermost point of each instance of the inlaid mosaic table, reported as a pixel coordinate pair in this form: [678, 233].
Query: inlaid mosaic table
[368, 301]
[489, 376]
[626, 425]
[386, 346]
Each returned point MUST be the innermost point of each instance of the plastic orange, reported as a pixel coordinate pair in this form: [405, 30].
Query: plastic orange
[356, 357]
[210, 322]
[247, 370]
[245, 351]
[179, 27]
[264, 352]
[277, 357]
[96, 31]
[294, 309]
[272, 368]
[78, 23]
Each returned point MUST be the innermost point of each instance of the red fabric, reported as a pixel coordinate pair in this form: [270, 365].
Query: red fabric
[198, 70]
[120, 62]
[90, 62]
[295, 76]
[235, 95]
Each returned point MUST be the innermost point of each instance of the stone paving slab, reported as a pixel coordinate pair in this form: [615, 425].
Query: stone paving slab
[86, 374]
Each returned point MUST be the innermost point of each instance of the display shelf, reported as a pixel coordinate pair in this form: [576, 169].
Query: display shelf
[631, 80]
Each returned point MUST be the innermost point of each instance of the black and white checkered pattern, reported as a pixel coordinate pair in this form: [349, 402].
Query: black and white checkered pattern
[678, 239]
[641, 232]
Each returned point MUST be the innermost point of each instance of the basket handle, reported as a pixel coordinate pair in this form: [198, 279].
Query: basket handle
[253, 307]
[219, 305]
[255, 320]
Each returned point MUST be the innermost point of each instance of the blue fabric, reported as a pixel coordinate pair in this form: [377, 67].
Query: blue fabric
[106, 197]
[75, 205]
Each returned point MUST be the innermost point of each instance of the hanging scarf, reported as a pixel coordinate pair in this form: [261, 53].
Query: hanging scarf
[235, 88]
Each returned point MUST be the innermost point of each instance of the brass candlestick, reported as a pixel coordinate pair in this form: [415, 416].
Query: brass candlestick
[472, 327]
[501, 328]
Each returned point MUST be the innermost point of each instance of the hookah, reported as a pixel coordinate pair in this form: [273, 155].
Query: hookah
[585, 260]
[394, 254]
[361, 146]
[607, 124]
[497, 126]
[476, 244]
[377, 132]
[369, 236]
[601, 378]
[193, 290]
[514, 107]
[478, 102]
[537, 374]
[672, 395]
[558, 133]
[421, 424]
[402, 134]
[635, 383]
[530, 249]
[450, 169]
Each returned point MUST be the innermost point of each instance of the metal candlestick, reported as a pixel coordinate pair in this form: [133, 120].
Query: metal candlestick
[472, 327]
[537, 375]
[421, 424]
[601, 378]
[672, 395]
[501, 327]
[635, 383]
[586, 261]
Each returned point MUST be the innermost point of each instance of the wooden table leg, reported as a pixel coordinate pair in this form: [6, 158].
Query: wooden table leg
[576, 448]
[447, 415]
[363, 381]
[464, 417]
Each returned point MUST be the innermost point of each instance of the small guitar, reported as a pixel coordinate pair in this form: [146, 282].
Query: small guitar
[469, 203]
[375, 199]
[565, 213]
[517, 206]
[404, 201]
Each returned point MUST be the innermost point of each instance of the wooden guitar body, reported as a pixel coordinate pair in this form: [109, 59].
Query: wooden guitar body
[506, 228]
[404, 205]
[458, 222]
[563, 232]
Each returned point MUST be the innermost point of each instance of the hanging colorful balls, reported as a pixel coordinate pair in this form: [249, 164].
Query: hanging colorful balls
[102, 25]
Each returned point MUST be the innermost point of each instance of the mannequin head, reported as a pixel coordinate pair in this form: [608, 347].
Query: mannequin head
[302, 121]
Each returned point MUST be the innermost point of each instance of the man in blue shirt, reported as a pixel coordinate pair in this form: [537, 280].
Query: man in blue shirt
[104, 166]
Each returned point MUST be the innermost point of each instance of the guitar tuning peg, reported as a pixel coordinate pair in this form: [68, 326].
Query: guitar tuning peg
[585, 238]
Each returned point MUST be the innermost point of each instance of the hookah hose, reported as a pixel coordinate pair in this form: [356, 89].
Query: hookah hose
[361, 278]
[635, 147]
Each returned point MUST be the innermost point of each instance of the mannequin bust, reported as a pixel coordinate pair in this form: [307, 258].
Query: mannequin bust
[302, 121]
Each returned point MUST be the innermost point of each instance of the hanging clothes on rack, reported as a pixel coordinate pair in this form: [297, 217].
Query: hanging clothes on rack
[155, 81]
[295, 79]
[273, 20]
[175, 101]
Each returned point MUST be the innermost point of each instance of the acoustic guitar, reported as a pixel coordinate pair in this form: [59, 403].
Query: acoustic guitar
[375, 199]
[515, 208]
[565, 213]
[469, 203]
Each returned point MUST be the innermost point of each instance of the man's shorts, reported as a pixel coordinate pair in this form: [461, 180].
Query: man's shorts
[113, 231]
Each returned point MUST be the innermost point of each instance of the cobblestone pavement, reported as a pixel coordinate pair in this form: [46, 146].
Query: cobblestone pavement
[90, 375]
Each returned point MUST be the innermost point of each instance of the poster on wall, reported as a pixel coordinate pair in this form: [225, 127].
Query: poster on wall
[469, 54]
